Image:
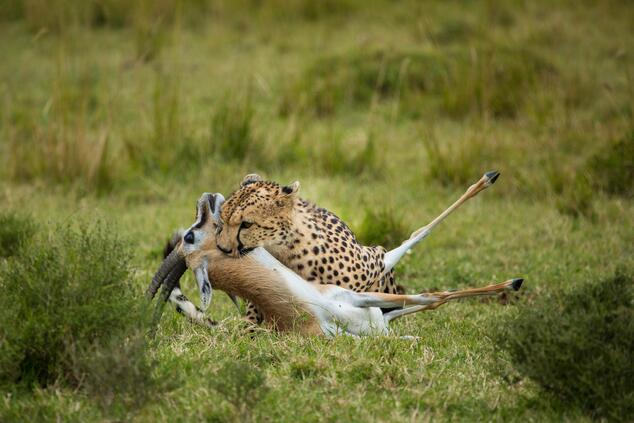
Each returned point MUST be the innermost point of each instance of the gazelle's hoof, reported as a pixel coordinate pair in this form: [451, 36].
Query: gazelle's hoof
[492, 176]
[517, 284]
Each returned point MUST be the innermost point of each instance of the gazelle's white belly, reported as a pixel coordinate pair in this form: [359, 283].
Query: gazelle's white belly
[340, 317]
[332, 307]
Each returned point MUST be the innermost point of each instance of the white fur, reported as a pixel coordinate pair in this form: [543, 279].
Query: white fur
[338, 310]
[187, 307]
[334, 307]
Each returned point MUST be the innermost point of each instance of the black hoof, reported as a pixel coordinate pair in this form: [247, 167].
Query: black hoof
[492, 176]
[517, 284]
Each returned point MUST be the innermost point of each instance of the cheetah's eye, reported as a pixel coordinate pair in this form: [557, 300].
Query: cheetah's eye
[246, 225]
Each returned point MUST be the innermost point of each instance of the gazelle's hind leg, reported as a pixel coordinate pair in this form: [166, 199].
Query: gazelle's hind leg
[377, 299]
[443, 297]
[394, 256]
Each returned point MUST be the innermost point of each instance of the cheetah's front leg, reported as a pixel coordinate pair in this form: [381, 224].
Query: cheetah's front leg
[253, 315]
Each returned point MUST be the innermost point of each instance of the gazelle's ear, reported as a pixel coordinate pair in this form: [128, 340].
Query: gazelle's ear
[203, 209]
[292, 189]
[214, 204]
[250, 178]
[209, 207]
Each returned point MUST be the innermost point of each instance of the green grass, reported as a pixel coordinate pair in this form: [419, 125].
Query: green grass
[79, 324]
[127, 111]
[577, 345]
[15, 233]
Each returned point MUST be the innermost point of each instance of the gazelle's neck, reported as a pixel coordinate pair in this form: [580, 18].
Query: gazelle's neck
[283, 297]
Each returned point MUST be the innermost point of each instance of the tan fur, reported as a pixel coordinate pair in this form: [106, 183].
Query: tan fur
[311, 241]
[244, 278]
[442, 296]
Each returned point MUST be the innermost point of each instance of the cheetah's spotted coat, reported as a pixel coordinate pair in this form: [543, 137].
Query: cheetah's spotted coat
[310, 240]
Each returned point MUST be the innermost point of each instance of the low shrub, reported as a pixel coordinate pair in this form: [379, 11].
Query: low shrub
[72, 318]
[295, 10]
[612, 167]
[383, 227]
[578, 345]
[62, 144]
[241, 385]
[335, 158]
[487, 80]
[358, 78]
[15, 232]
[568, 187]
[461, 162]
[232, 136]
[58, 15]
[493, 80]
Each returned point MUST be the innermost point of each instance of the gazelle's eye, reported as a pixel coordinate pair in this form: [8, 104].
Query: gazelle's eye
[189, 237]
[246, 225]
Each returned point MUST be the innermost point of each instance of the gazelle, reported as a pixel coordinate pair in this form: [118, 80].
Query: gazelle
[287, 301]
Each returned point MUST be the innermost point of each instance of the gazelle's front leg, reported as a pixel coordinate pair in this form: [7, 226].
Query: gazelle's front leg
[392, 257]
[188, 309]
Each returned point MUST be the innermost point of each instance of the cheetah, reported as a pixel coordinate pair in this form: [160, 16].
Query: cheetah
[308, 239]
[286, 300]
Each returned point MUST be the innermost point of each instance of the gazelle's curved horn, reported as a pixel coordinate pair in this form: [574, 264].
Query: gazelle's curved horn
[169, 283]
[172, 278]
[171, 261]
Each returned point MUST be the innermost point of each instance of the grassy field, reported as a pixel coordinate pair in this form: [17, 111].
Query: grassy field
[125, 112]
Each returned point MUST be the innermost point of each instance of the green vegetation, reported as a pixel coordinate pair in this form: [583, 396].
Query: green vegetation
[232, 135]
[486, 80]
[382, 227]
[612, 168]
[15, 233]
[73, 319]
[578, 345]
[385, 112]
[242, 386]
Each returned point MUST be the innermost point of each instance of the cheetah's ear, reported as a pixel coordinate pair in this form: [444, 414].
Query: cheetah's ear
[292, 189]
[250, 178]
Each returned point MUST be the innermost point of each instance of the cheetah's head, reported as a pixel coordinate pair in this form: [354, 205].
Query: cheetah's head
[258, 214]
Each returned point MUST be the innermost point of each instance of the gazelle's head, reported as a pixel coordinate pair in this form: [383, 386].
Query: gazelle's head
[200, 238]
[193, 250]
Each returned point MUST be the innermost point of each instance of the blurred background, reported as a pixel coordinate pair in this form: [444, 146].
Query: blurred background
[100, 95]
[125, 111]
